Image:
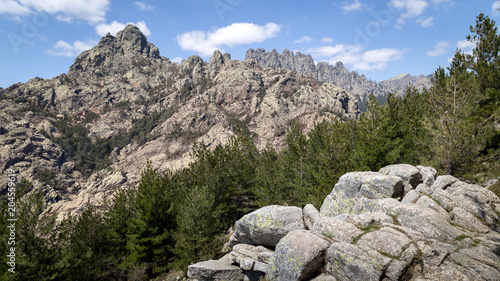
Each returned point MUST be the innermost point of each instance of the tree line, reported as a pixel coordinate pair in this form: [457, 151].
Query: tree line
[172, 219]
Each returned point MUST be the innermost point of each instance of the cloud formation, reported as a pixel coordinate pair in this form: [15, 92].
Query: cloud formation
[143, 6]
[352, 6]
[206, 42]
[113, 28]
[441, 48]
[92, 11]
[355, 56]
[466, 46]
[304, 39]
[63, 48]
[327, 40]
[414, 10]
[495, 7]
[410, 9]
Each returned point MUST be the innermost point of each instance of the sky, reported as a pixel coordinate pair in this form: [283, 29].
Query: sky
[380, 39]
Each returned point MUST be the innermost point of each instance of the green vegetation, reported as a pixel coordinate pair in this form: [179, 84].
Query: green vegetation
[90, 156]
[173, 219]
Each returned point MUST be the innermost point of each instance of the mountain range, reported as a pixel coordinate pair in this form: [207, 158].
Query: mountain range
[353, 82]
[81, 135]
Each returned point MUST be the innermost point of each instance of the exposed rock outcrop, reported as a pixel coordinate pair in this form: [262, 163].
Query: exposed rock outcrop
[353, 82]
[448, 231]
[123, 83]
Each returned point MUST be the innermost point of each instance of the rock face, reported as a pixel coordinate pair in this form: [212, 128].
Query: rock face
[448, 231]
[267, 226]
[337, 74]
[355, 193]
[122, 84]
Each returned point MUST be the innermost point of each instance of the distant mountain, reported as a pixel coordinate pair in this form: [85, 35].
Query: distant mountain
[337, 74]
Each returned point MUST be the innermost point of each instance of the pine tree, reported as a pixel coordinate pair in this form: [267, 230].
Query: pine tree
[270, 180]
[377, 141]
[37, 253]
[198, 227]
[296, 169]
[331, 153]
[457, 137]
[149, 238]
[87, 247]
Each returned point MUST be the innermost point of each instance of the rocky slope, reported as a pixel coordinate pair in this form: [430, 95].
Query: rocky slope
[337, 74]
[400, 223]
[121, 105]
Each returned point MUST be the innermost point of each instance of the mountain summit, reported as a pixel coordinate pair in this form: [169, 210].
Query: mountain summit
[337, 74]
[113, 54]
[122, 104]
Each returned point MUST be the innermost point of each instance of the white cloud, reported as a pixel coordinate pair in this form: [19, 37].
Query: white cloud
[177, 60]
[378, 59]
[327, 40]
[63, 48]
[426, 22]
[441, 48]
[13, 8]
[235, 34]
[466, 46]
[496, 8]
[113, 28]
[92, 11]
[328, 51]
[355, 56]
[304, 39]
[143, 6]
[410, 9]
[438, 2]
[352, 6]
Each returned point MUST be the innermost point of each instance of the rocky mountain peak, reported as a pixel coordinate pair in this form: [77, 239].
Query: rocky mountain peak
[130, 46]
[357, 84]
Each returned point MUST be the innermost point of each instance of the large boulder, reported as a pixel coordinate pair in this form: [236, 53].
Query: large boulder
[213, 270]
[298, 256]
[449, 231]
[311, 215]
[348, 262]
[428, 174]
[408, 173]
[336, 229]
[355, 193]
[266, 226]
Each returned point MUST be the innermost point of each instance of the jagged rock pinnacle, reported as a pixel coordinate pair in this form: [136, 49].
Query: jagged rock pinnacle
[112, 53]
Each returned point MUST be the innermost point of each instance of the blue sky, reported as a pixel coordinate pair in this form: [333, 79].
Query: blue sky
[380, 39]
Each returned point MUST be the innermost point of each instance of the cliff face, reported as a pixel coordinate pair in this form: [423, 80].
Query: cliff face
[337, 74]
[125, 99]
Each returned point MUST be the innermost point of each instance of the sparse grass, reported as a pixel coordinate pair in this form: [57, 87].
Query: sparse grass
[462, 237]
[365, 230]
[476, 243]
[388, 255]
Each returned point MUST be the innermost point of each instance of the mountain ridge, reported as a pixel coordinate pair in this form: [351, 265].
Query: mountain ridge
[338, 74]
[121, 105]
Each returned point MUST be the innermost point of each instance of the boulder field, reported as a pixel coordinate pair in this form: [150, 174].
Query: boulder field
[400, 223]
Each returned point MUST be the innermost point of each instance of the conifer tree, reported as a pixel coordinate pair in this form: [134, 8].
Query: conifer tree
[377, 142]
[150, 231]
[457, 136]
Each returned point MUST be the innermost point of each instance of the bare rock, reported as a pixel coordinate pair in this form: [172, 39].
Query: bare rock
[354, 192]
[267, 226]
[298, 256]
[408, 173]
[215, 271]
[336, 229]
[311, 215]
